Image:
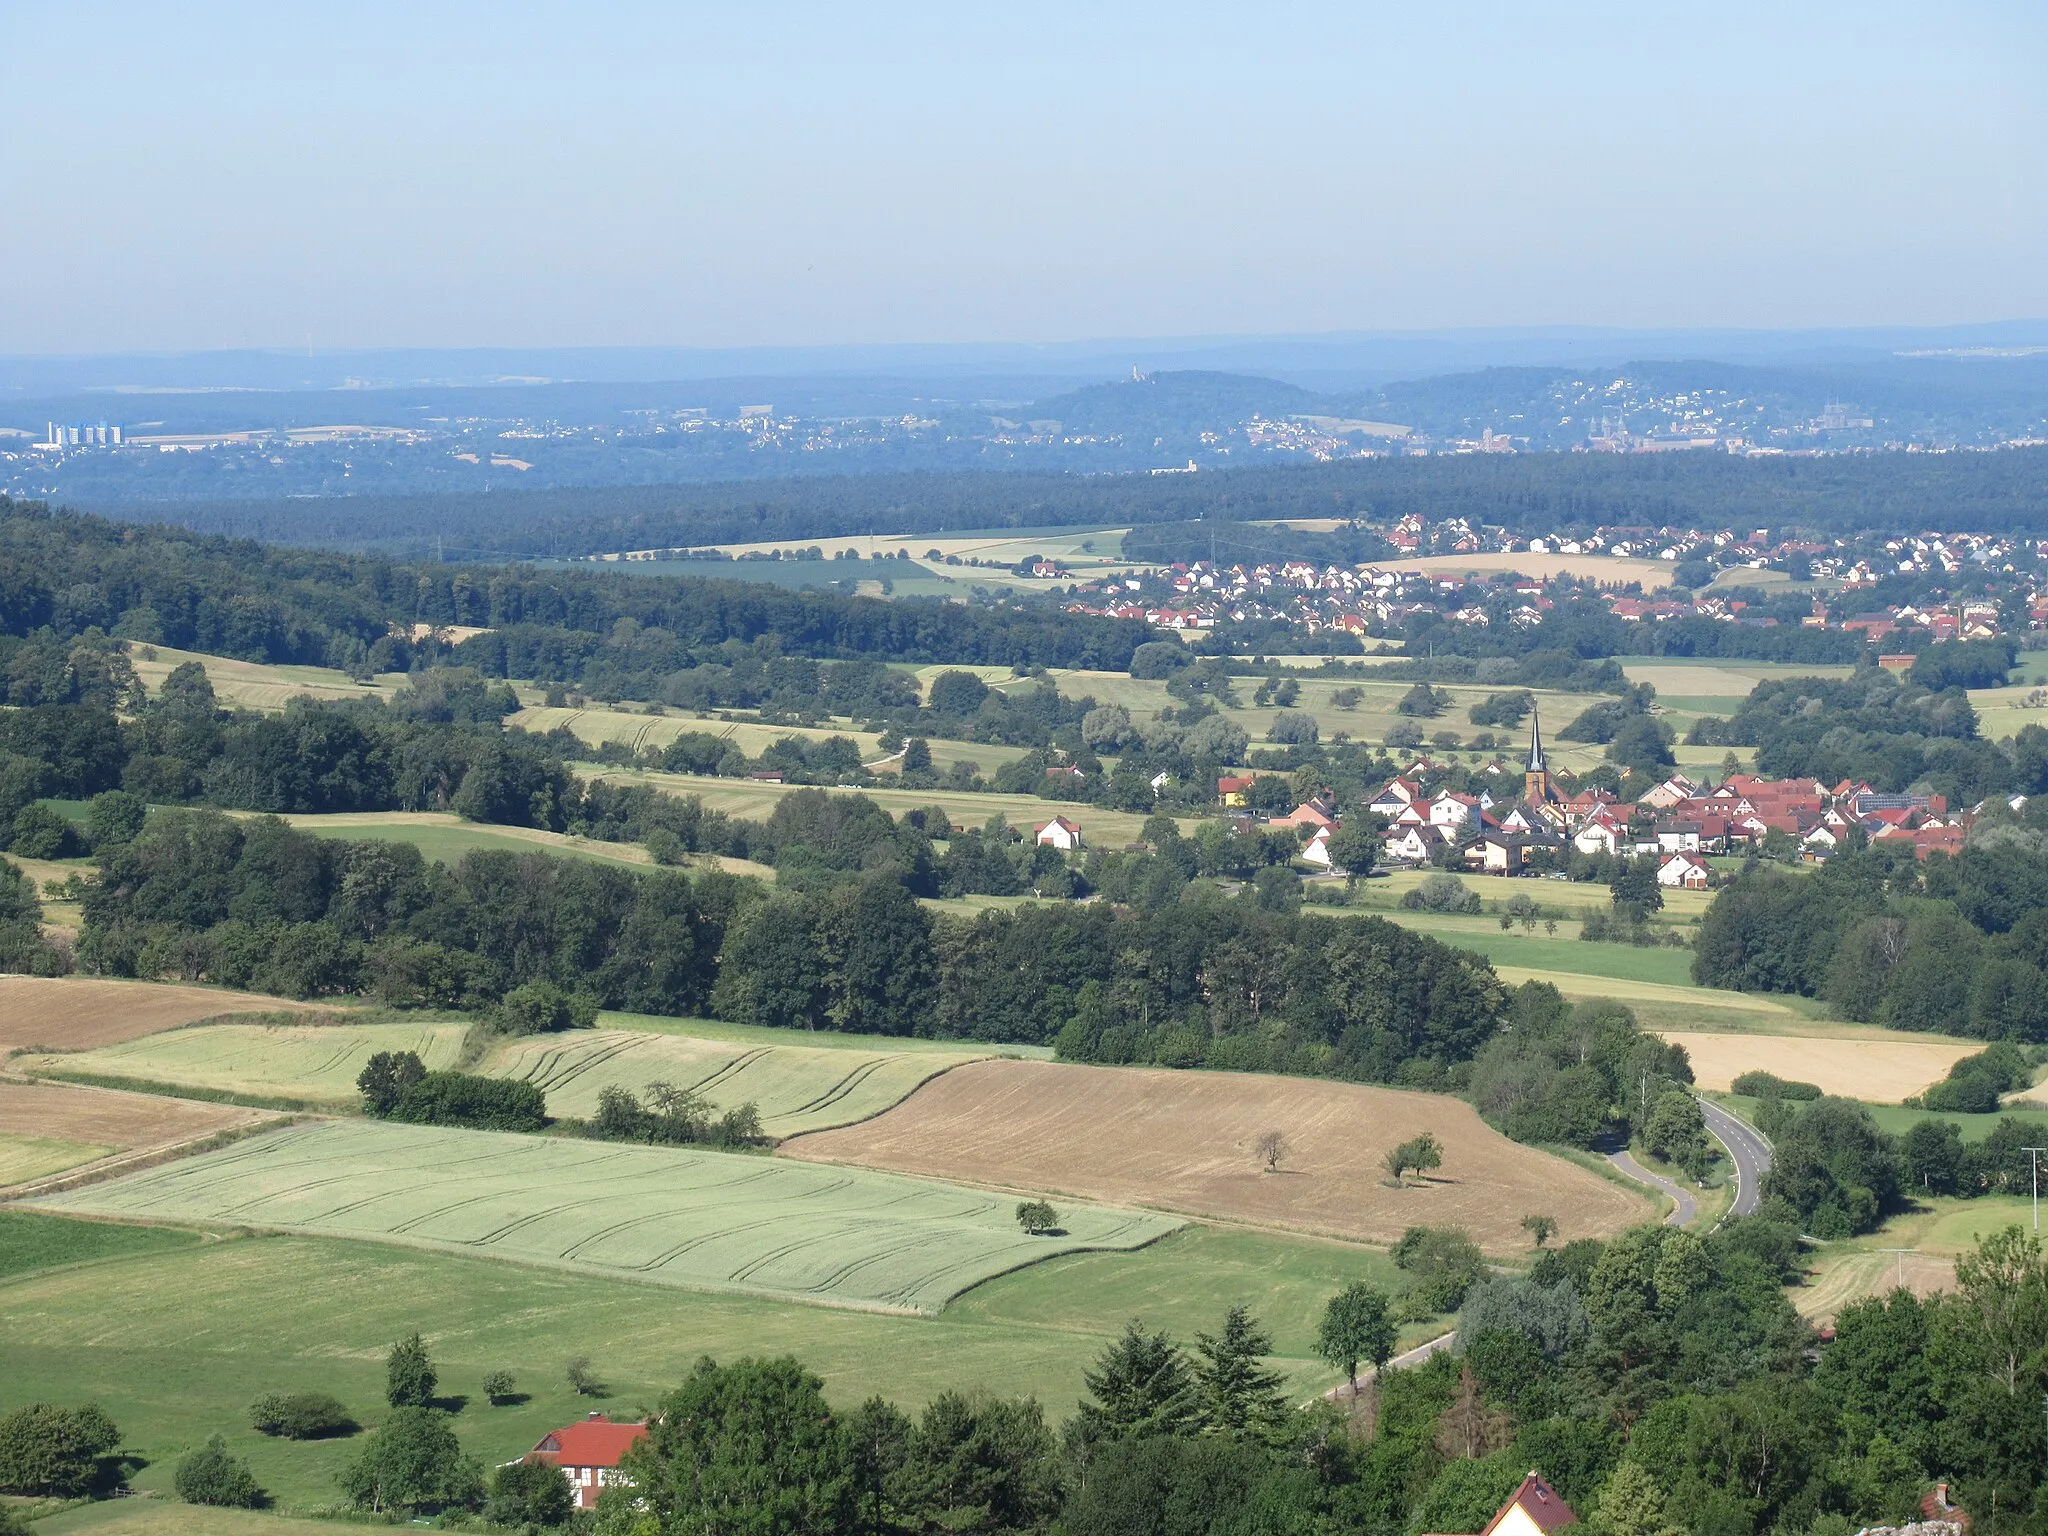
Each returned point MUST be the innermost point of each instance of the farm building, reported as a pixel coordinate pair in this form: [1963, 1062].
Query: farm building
[1059, 833]
[1684, 871]
[589, 1452]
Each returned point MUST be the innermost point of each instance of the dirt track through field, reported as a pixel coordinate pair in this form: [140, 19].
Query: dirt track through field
[77, 1013]
[1882, 1071]
[1183, 1141]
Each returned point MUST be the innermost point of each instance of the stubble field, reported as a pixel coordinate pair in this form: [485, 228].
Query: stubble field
[1183, 1141]
[706, 1220]
[1882, 1071]
[77, 1013]
[48, 1127]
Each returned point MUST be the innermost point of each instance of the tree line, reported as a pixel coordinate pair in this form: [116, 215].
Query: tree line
[1957, 944]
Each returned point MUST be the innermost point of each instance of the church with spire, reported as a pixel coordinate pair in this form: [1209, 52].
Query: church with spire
[1537, 789]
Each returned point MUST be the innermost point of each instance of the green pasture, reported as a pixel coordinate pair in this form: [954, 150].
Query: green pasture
[30, 1157]
[176, 1344]
[756, 802]
[31, 1241]
[445, 838]
[818, 1040]
[796, 1088]
[1565, 953]
[313, 1063]
[1896, 1119]
[1562, 898]
[166, 1517]
[684, 1217]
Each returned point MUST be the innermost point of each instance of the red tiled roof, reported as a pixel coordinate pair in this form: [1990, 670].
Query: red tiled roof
[593, 1442]
[1540, 1502]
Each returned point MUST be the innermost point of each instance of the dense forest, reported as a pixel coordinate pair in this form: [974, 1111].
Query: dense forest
[1530, 493]
[62, 574]
[1954, 944]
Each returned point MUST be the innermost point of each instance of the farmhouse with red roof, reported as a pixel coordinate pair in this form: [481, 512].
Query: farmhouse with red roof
[589, 1453]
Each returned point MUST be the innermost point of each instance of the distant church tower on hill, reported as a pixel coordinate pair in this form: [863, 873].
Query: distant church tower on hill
[1536, 787]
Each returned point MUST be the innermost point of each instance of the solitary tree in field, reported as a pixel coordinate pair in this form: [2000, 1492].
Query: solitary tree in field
[583, 1378]
[1541, 1228]
[498, 1386]
[409, 1378]
[1272, 1147]
[1357, 1325]
[1419, 1154]
[1036, 1216]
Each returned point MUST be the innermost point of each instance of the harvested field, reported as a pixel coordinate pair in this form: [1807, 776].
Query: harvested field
[704, 1220]
[40, 1120]
[443, 837]
[1882, 1071]
[317, 1063]
[796, 1088]
[77, 1013]
[1183, 1141]
[1856, 1276]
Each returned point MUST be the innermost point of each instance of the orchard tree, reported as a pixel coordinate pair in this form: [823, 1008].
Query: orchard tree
[1357, 1325]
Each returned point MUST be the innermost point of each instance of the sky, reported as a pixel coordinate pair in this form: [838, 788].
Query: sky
[211, 176]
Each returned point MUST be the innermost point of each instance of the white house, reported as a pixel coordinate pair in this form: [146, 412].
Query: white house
[1414, 845]
[1395, 797]
[1316, 850]
[1684, 871]
[1534, 1510]
[1448, 811]
[588, 1453]
[1059, 833]
[1600, 834]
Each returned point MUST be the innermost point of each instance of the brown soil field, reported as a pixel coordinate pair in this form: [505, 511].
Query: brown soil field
[102, 1117]
[1183, 1141]
[79, 1013]
[1881, 1071]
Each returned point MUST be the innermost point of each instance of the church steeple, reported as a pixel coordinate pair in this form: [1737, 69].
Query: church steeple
[1536, 775]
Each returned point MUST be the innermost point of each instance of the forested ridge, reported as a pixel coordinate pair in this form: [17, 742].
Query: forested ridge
[2002, 492]
[63, 574]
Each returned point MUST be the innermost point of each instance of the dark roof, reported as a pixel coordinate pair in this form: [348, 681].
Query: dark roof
[1540, 1502]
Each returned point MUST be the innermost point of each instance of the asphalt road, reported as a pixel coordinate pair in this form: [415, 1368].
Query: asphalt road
[1751, 1154]
[1684, 1207]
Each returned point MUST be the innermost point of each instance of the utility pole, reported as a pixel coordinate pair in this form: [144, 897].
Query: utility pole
[1900, 1280]
[2034, 1156]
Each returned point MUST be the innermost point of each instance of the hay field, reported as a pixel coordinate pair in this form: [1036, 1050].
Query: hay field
[796, 1088]
[444, 837]
[57, 913]
[1609, 569]
[638, 729]
[756, 801]
[703, 1220]
[1567, 898]
[311, 1063]
[48, 1127]
[2003, 712]
[79, 1013]
[1882, 1071]
[1183, 1141]
[254, 684]
[1856, 1276]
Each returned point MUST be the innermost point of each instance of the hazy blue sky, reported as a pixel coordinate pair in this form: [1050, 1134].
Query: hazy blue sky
[202, 176]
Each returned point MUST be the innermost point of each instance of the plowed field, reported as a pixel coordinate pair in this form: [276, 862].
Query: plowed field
[1184, 1141]
[77, 1013]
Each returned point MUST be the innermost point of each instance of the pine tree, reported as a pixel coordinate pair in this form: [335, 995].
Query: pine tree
[1240, 1394]
[1141, 1385]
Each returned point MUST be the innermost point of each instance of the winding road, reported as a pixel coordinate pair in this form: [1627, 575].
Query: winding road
[1747, 1150]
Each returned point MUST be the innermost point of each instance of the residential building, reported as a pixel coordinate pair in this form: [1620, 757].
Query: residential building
[1059, 833]
[588, 1452]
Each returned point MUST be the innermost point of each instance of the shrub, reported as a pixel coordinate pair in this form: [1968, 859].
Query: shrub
[530, 1493]
[53, 1452]
[480, 1103]
[300, 1416]
[541, 1007]
[498, 1386]
[1768, 1085]
[210, 1475]
[1441, 892]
